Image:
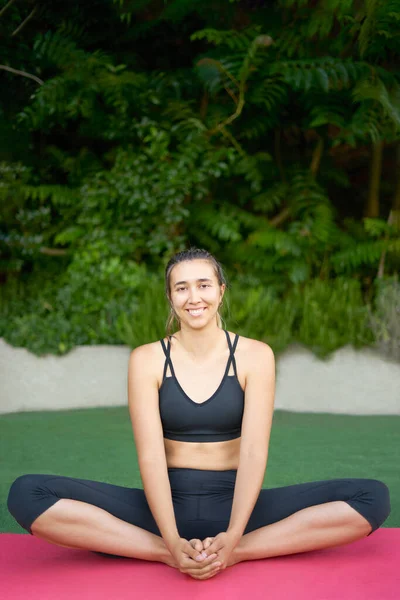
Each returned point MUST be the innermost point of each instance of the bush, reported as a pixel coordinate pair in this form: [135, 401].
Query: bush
[384, 317]
[124, 303]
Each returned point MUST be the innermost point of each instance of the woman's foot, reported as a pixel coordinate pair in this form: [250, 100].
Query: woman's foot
[165, 555]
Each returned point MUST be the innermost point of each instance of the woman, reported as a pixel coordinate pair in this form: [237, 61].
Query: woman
[202, 446]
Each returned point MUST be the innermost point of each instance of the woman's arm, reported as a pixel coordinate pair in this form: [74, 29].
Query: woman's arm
[256, 430]
[148, 434]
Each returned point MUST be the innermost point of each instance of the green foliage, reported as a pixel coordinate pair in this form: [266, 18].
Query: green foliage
[379, 237]
[146, 320]
[333, 315]
[261, 314]
[83, 306]
[324, 74]
[132, 135]
[380, 27]
[234, 40]
[384, 317]
[130, 308]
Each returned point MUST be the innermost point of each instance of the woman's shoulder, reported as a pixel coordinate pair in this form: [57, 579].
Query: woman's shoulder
[148, 359]
[253, 354]
[251, 345]
[145, 351]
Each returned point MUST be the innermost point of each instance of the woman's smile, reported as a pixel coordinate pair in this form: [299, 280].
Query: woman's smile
[195, 312]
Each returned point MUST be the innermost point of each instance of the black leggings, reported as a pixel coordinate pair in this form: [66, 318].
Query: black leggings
[202, 500]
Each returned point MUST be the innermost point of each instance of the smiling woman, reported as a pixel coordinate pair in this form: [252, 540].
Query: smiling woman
[201, 403]
[195, 283]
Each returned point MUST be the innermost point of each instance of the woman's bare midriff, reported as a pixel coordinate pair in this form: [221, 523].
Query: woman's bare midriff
[213, 456]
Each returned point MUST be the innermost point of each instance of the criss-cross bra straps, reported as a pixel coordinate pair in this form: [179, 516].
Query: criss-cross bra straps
[168, 358]
[231, 352]
[232, 349]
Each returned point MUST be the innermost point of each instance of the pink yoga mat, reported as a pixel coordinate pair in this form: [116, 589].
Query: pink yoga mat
[369, 569]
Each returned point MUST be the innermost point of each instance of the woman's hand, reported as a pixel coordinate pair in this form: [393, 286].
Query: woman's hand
[223, 545]
[186, 556]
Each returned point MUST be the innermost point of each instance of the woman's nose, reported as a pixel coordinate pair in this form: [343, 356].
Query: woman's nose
[194, 295]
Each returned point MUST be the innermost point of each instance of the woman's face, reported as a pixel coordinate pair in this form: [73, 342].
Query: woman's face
[195, 293]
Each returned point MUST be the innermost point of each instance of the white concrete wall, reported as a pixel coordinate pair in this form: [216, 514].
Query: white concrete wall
[349, 382]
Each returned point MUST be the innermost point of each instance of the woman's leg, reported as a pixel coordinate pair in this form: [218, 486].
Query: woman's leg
[91, 515]
[312, 516]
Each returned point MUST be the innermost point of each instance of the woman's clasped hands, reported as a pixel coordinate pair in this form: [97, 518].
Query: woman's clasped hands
[204, 559]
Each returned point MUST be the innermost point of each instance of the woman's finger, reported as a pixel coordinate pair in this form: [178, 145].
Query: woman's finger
[197, 544]
[204, 572]
[207, 575]
[192, 553]
[189, 566]
[215, 546]
[207, 542]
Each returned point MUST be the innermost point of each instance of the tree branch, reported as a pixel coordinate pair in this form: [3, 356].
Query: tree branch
[280, 217]
[394, 214]
[233, 141]
[53, 251]
[23, 73]
[278, 154]
[381, 267]
[28, 18]
[3, 10]
[316, 156]
[204, 105]
[372, 206]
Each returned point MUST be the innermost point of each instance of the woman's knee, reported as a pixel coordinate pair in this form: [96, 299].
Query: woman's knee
[27, 498]
[382, 498]
[372, 500]
[20, 488]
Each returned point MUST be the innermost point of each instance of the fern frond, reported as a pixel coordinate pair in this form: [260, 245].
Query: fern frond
[254, 127]
[366, 123]
[274, 239]
[269, 93]
[224, 222]
[364, 253]
[56, 49]
[251, 168]
[271, 198]
[380, 25]
[60, 194]
[70, 234]
[311, 209]
[254, 259]
[374, 89]
[185, 120]
[222, 73]
[378, 227]
[324, 73]
[328, 109]
[233, 39]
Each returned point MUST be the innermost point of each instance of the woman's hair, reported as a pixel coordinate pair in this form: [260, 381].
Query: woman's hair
[185, 255]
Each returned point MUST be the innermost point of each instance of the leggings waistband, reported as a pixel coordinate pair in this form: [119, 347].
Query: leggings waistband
[194, 479]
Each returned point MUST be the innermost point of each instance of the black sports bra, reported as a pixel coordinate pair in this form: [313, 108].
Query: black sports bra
[216, 420]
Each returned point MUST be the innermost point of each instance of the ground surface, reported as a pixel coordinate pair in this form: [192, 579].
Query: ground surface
[98, 444]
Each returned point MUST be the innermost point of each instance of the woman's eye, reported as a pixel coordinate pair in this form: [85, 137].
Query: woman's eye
[202, 285]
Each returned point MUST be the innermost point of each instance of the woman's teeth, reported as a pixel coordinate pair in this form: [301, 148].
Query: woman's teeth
[196, 312]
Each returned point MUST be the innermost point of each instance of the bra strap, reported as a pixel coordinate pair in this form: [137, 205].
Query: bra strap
[232, 352]
[168, 358]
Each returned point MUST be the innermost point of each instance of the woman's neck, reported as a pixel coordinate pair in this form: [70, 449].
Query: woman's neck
[201, 344]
